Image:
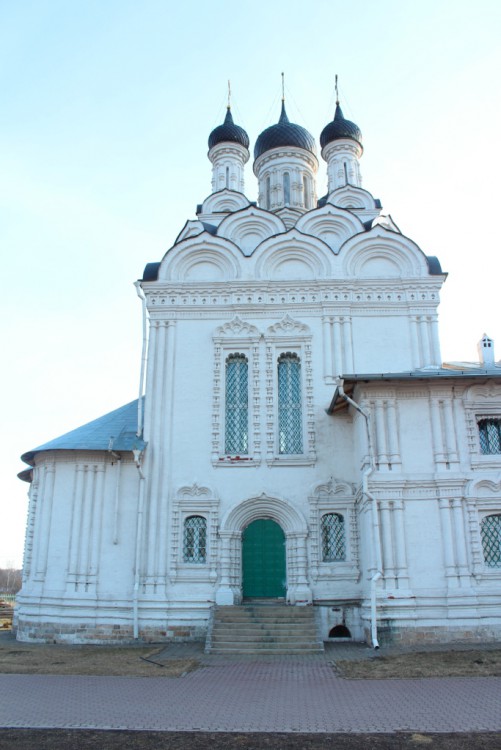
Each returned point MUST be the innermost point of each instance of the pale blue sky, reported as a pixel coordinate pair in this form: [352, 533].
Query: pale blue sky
[105, 111]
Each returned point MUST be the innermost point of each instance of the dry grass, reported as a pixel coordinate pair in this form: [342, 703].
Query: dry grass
[123, 661]
[470, 663]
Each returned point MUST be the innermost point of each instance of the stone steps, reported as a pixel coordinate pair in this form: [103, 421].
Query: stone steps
[263, 629]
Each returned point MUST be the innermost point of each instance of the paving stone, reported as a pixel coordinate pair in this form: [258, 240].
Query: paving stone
[273, 694]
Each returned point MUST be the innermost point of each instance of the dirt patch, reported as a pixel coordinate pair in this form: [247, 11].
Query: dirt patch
[471, 663]
[116, 661]
[64, 739]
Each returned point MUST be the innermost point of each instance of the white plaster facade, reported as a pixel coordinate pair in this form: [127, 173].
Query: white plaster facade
[339, 290]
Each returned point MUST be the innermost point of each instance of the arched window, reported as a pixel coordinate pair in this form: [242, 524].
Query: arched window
[287, 188]
[268, 193]
[333, 538]
[237, 405]
[195, 540]
[290, 418]
[490, 531]
[489, 431]
[227, 177]
[306, 193]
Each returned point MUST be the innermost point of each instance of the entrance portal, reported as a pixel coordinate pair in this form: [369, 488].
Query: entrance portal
[263, 560]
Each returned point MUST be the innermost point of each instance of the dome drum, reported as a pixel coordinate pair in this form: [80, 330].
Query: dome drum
[287, 179]
[228, 153]
[228, 161]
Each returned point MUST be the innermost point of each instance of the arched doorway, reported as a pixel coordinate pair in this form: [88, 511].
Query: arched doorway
[263, 560]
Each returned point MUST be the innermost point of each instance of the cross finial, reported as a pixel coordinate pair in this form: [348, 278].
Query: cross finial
[283, 87]
[229, 95]
[337, 91]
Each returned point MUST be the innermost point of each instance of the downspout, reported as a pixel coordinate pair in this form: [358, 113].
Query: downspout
[144, 358]
[378, 563]
[139, 542]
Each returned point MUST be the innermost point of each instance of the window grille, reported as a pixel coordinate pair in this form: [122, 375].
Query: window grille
[195, 540]
[490, 531]
[290, 418]
[490, 435]
[237, 405]
[333, 538]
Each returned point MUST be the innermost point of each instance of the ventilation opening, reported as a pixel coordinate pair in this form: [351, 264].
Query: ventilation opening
[339, 631]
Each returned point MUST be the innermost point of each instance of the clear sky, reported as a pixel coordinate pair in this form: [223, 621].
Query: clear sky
[105, 110]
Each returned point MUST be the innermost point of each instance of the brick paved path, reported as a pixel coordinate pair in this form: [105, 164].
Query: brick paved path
[244, 696]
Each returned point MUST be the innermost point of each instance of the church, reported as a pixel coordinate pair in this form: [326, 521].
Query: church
[297, 438]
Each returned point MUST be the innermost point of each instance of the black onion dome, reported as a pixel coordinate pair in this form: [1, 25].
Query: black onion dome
[228, 132]
[340, 128]
[284, 133]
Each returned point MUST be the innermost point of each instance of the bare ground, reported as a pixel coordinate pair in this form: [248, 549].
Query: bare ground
[77, 739]
[467, 663]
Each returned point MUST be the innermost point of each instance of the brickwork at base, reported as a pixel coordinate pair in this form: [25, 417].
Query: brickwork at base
[109, 634]
[388, 635]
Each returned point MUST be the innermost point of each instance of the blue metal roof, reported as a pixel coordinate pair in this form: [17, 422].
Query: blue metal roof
[340, 128]
[283, 134]
[113, 431]
[228, 132]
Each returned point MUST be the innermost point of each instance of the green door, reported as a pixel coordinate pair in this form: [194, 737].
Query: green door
[263, 560]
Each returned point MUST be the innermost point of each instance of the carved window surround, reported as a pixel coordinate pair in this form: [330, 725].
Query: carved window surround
[484, 500]
[334, 496]
[193, 500]
[238, 336]
[233, 337]
[289, 335]
[481, 402]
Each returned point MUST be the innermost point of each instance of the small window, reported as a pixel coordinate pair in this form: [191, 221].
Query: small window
[333, 538]
[195, 540]
[290, 418]
[268, 193]
[490, 531]
[227, 177]
[490, 435]
[237, 405]
[287, 188]
[306, 193]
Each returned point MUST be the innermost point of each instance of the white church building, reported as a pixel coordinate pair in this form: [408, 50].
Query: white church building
[299, 439]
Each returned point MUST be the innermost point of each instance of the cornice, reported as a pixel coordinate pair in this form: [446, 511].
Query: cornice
[414, 296]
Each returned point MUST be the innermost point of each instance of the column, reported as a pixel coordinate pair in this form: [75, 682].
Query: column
[76, 523]
[96, 525]
[462, 560]
[402, 572]
[338, 353]
[326, 339]
[448, 545]
[47, 500]
[349, 365]
[425, 343]
[450, 431]
[155, 466]
[381, 448]
[388, 556]
[224, 593]
[435, 341]
[416, 351]
[392, 433]
[436, 430]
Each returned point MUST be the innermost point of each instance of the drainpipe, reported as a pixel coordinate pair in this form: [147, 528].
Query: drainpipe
[139, 542]
[378, 564]
[144, 358]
